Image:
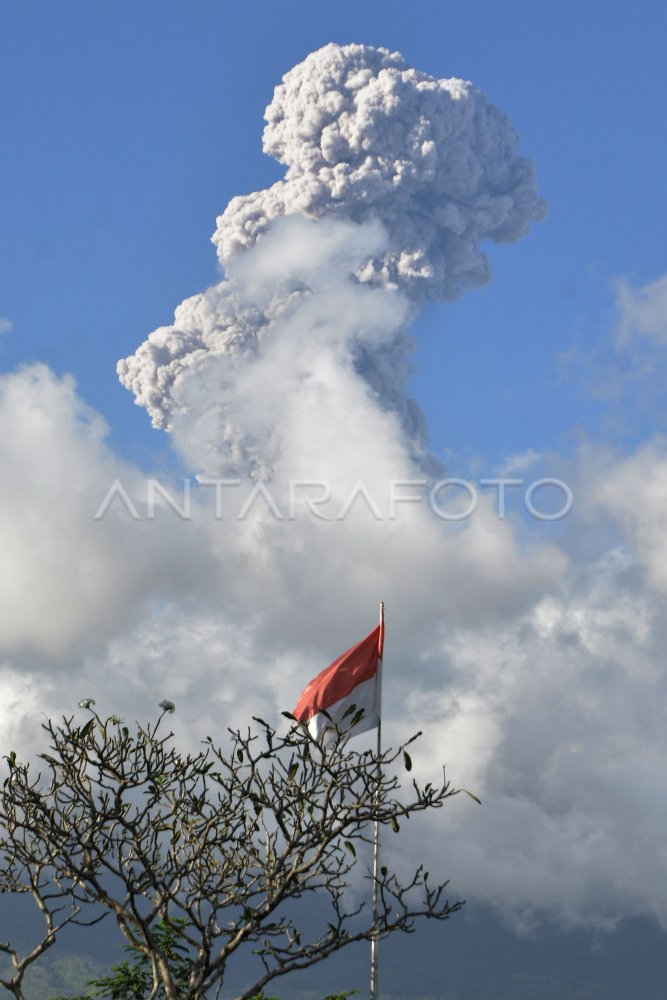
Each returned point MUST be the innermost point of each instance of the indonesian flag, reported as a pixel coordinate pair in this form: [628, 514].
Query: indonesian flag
[353, 679]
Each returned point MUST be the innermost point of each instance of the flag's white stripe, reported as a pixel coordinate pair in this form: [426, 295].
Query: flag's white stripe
[366, 695]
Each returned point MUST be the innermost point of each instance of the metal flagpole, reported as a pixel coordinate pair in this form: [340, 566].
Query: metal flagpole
[376, 855]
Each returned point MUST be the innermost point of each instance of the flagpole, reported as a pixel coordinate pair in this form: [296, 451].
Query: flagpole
[376, 852]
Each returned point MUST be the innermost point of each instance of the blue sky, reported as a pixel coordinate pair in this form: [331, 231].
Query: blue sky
[127, 127]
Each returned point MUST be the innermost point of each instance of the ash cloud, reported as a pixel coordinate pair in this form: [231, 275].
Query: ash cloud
[366, 137]
[393, 180]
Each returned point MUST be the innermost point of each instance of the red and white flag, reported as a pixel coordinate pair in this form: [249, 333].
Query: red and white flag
[353, 679]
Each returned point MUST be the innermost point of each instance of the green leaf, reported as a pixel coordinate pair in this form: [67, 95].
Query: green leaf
[384, 870]
[86, 729]
[288, 715]
[356, 719]
[407, 760]
[394, 824]
[239, 754]
[473, 797]
[351, 848]
[291, 774]
[348, 711]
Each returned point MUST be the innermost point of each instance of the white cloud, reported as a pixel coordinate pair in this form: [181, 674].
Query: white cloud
[552, 718]
[625, 368]
[66, 578]
[6, 325]
[535, 669]
[520, 463]
[642, 311]
[634, 492]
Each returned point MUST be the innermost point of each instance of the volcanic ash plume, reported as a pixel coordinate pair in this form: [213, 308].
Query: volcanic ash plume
[409, 173]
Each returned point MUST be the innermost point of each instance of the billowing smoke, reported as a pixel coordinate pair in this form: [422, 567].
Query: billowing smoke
[393, 180]
[363, 136]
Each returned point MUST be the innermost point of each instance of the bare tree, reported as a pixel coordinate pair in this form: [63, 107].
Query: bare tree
[218, 845]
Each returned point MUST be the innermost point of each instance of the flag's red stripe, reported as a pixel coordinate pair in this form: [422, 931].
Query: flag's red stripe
[336, 681]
